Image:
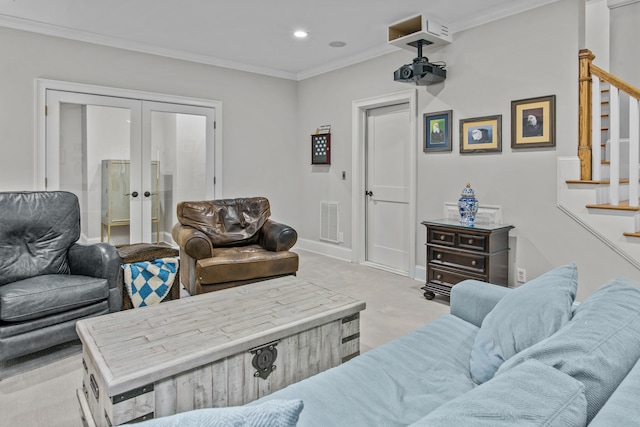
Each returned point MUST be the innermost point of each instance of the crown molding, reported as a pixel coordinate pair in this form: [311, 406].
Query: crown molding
[613, 4]
[504, 11]
[116, 42]
[87, 37]
[351, 60]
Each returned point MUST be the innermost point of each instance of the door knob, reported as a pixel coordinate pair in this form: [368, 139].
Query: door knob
[134, 194]
[368, 193]
[147, 194]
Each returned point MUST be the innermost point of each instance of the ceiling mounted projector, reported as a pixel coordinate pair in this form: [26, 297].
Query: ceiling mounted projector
[415, 33]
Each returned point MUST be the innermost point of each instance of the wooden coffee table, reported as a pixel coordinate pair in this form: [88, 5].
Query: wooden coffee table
[225, 348]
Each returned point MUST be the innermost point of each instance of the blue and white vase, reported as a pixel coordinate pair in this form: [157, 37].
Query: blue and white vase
[468, 206]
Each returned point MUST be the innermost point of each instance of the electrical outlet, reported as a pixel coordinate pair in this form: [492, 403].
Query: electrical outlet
[340, 237]
[521, 275]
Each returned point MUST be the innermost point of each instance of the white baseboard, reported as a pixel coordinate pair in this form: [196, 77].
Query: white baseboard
[345, 254]
[322, 248]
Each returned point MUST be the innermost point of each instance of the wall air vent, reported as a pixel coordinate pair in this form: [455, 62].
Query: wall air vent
[329, 221]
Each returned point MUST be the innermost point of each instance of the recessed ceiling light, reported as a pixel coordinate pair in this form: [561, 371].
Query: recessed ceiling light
[337, 44]
[300, 34]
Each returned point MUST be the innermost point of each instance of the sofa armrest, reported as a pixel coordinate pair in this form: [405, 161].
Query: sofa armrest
[99, 260]
[192, 242]
[621, 409]
[277, 237]
[472, 300]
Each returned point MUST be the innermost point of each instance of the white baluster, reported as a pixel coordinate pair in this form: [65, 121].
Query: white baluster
[634, 151]
[596, 133]
[614, 144]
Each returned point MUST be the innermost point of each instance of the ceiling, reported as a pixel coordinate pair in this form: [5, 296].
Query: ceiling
[249, 35]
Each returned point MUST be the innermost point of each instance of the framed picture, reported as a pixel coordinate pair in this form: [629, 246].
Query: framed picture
[481, 134]
[321, 149]
[437, 131]
[533, 122]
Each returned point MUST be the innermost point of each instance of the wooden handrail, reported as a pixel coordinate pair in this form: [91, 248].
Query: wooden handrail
[585, 71]
[615, 81]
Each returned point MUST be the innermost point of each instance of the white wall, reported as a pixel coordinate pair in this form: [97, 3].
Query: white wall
[259, 112]
[528, 55]
[625, 33]
[597, 31]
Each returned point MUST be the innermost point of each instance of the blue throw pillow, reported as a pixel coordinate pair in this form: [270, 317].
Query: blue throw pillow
[600, 344]
[272, 413]
[523, 317]
[533, 394]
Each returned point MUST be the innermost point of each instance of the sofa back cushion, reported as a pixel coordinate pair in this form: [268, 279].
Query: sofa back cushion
[600, 344]
[226, 222]
[36, 230]
[523, 317]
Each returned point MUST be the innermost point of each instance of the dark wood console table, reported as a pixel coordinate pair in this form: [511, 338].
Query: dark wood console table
[456, 252]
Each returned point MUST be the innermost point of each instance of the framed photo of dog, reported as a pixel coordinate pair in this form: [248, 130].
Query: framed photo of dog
[481, 134]
[437, 131]
[533, 122]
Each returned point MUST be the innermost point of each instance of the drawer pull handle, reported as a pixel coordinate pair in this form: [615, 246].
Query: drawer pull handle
[439, 256]
[474, 262]
[94, 386]
[442, 237]
[438, 276]
[471, 241]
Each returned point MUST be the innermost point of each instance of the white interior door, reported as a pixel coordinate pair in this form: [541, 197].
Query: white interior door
[129, 161]
[387, 152]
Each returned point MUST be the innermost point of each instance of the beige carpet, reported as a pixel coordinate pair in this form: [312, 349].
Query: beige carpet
[40, 390]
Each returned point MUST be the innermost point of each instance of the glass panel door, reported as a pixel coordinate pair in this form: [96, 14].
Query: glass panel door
[129, 162]
[90, 141]
[180, 138]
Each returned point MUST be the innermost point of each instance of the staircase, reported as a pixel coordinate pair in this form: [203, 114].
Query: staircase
[600, 187]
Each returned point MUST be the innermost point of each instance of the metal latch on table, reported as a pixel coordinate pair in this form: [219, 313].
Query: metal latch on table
[263, 359]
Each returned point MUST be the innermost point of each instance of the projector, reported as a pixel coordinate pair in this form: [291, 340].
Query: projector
[420, 72]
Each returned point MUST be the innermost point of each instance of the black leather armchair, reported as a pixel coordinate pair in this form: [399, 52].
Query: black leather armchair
[47, 280]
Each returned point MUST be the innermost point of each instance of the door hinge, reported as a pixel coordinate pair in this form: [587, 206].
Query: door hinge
[214, 180]
[46, 110]
[215, 124]
[46, 183]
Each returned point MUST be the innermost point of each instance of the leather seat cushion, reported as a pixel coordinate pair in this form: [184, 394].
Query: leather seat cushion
[243, 263]
[49, 294]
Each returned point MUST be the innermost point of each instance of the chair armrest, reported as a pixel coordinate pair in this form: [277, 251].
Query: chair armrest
[277, 237]
[95, 260]
[193, 242]
[472, 300]
[99, 260]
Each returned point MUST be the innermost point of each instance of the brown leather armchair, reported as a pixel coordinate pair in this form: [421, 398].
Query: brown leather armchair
[231, 242]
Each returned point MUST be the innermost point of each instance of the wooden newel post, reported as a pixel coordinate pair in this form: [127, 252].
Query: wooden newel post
[584, 113]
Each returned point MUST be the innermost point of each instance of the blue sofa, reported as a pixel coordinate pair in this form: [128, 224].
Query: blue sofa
[528, 356]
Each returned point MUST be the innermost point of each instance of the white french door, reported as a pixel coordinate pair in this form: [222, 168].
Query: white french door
[177, 136]
[129, 161]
